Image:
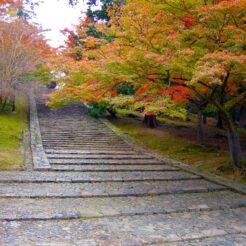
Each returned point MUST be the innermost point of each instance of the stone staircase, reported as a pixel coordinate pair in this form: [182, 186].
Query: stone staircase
[99, 190]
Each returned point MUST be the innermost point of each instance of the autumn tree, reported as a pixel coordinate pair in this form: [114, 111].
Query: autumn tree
[172, 52]
[21, 49]
[111, 62]
[217, 38]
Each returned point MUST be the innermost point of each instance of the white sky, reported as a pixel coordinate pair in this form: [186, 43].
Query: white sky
[57, 15]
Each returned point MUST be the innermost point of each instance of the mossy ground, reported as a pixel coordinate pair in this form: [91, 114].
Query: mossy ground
[178, 141]
[12, 126]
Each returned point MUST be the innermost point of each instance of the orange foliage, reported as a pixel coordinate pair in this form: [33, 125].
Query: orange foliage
[180, 94]
[188, 21]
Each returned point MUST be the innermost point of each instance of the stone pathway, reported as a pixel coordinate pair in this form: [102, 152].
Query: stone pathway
[98, 190]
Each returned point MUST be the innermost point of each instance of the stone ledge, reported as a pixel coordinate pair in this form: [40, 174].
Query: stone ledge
[40, 161]
[210, 177]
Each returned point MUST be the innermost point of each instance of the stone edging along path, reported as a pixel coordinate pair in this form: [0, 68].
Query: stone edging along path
[210, 177]
[40, 161]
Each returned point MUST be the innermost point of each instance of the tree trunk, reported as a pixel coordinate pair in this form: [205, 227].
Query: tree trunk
[13, 105]
[204, 118]
[112, 113]
[235, 147]
[4, 104]
[200, 133]
[145, 120]
[219, 122]
[233, 141]
[150, 120]
[233, 138]
[242, 116]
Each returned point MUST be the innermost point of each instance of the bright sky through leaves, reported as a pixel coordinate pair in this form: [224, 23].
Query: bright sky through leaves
[56, 15]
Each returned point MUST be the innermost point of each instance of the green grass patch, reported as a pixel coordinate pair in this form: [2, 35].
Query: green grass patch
[12, 126]
[208, 158]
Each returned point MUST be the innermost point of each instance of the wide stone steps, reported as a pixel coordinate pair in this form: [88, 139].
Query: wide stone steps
[67, 138]
[90, 177]
[159, 229]
[89, 151]
[90, 148]
[103, 161]
[99, 191]
[111, 168]
[105, 189]
[82, 208]
[99, 156]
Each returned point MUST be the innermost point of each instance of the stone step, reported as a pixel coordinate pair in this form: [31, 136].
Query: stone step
[87, 141]
[157, 229]
[86, 177]
[98, 156]
[85, 147]
[62, 137]
[106, 189]
[71, 208]
[108, 168]
[103, 161]
[102, 144]
[81, 135]
[92, 151]
[77, 129]
[90, 148]
[83, 141]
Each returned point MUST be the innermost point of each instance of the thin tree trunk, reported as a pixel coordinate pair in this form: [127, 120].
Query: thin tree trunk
[242, 116]
[219, 122]
[145, 120]
[13, 104]
[204, 118]
[200, 133]
[234, 146]
[4, 105]
[233, 139]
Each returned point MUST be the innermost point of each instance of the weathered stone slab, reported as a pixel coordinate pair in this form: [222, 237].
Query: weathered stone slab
[70, 208]
[126, 231]
[98, 156]
[92, 151]
[110, 168]
[225, 240]
[105, 189]
[84, 177]
[103, 161]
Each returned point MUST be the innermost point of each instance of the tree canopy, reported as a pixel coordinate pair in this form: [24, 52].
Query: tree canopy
[22, 50]
[171, 52]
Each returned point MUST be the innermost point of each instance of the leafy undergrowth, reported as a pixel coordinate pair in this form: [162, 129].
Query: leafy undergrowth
[180, 144]
[12, 127]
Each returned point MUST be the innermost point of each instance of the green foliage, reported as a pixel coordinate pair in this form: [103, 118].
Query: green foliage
[41, 74]
[126, 88]
[97, 110]
[100, 14]
[210, 108]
